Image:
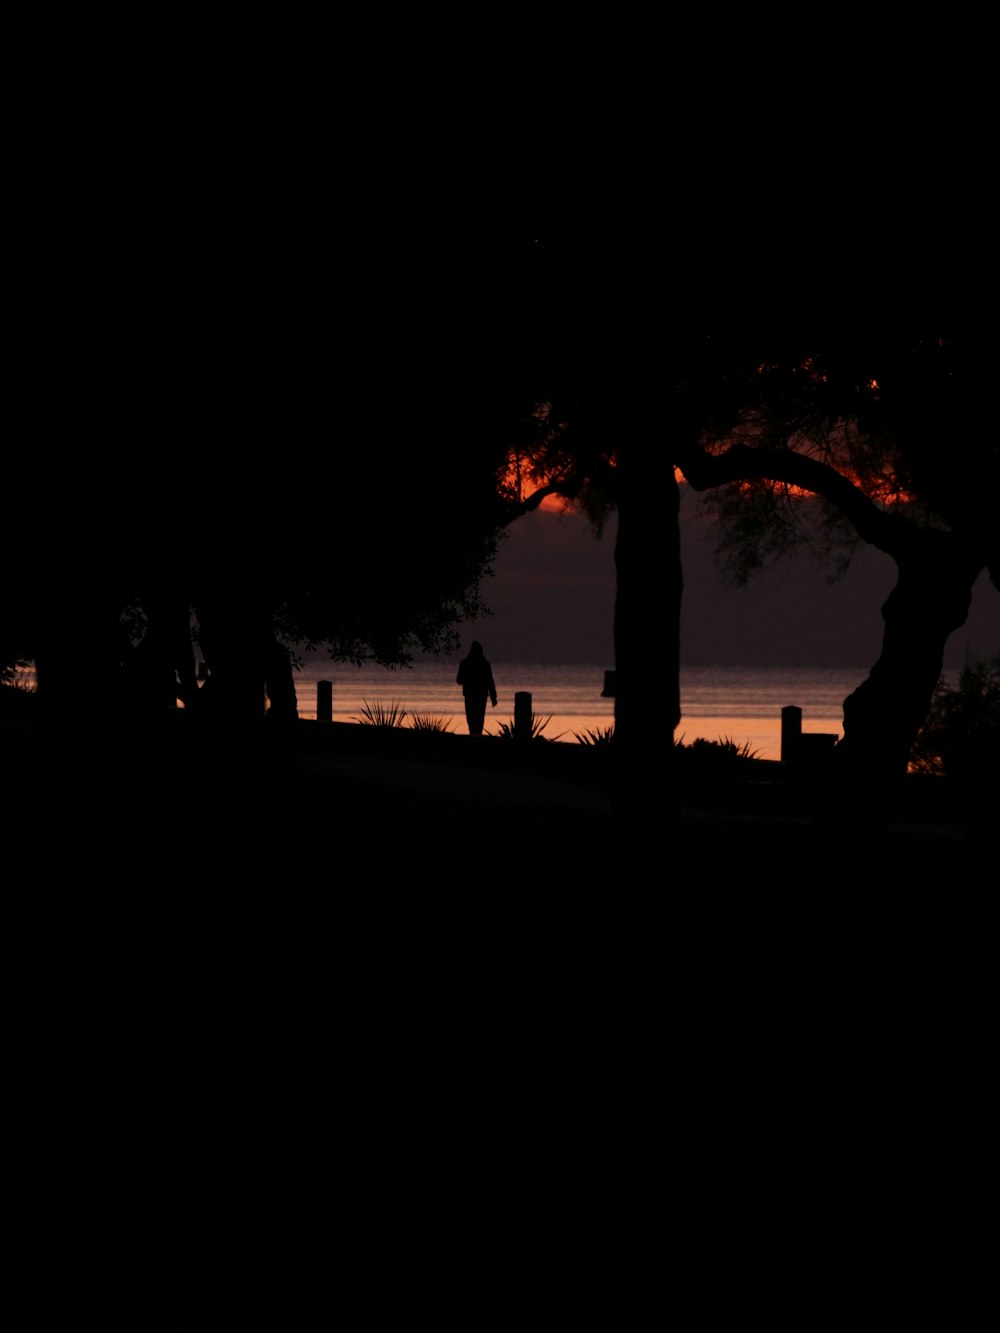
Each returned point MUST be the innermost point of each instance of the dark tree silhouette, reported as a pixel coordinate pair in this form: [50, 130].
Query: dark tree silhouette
[859, 437]
[244, 243]
[225, 295]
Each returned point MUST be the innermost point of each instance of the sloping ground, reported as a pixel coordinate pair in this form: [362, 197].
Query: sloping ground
[582, 766]
[372, 1054]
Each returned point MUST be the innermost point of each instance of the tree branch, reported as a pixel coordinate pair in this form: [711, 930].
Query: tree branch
[703, 471]
[567, 488]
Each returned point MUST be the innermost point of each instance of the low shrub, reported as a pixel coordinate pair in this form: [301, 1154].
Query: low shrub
[960, 738]
[718, 755]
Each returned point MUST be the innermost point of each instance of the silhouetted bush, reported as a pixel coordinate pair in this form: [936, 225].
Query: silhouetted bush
[724, 756]
[960, 739]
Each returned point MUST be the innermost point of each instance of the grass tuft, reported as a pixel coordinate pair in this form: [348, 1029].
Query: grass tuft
[598, 736]
[385, 716]
[538, 725]
[424, 722]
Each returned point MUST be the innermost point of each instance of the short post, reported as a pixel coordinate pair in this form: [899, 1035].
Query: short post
[522, 716]
[791, 733]
[324, 701]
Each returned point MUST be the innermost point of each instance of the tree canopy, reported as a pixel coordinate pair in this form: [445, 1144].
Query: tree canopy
[246, 345]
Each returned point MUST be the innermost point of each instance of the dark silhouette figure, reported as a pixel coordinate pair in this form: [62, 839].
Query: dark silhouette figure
[475, 675]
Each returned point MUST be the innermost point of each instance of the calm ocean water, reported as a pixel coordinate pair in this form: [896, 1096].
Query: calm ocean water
[717, 702]
[742, 703]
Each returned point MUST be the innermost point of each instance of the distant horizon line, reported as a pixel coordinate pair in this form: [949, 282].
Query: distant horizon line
[601, 665]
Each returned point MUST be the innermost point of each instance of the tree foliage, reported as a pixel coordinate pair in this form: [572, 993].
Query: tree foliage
[960, 739]
[243, 284]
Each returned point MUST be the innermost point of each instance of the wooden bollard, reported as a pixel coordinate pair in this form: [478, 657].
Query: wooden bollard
[791, 734]
[324, 701]
[522, 716]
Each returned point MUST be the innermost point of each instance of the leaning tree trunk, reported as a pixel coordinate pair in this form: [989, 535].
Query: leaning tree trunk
[882, 717]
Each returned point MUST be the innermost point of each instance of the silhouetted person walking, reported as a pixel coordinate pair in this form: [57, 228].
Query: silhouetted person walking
[475, 676]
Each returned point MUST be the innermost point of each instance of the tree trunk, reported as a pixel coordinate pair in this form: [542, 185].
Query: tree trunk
[82, 754]
[645, 809]
[930, 601]
[881, 719]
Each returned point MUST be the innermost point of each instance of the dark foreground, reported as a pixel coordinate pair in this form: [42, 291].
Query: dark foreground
[380, 1060]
